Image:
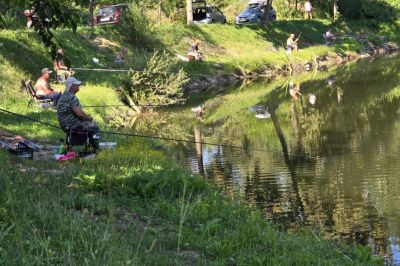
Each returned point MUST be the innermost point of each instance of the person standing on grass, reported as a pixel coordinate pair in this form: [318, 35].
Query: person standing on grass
[121, 56]
[43, 89]
[308, 10]
[62, 66]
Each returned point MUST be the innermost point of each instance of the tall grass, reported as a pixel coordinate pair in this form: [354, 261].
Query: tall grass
[131, 207]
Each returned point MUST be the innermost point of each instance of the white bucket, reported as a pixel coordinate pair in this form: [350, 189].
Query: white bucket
[107, 145]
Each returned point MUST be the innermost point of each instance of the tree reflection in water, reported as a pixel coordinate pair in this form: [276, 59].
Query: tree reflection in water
[332, 166]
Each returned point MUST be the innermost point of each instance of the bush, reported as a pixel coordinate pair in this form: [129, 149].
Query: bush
[11, 18]
[371, 9]
[380, 10]
[136, 25]
[160, 83]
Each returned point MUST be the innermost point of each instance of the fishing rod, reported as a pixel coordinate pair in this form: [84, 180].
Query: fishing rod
[135, 135]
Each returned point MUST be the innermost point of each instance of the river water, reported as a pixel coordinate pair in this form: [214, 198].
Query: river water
[328, 160]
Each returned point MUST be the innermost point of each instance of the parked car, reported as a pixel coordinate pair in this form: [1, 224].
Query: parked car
[110, 14]
[204, 14]
[254, 12]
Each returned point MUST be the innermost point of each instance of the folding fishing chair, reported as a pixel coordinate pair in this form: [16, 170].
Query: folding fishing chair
[30, 90]
[81, 137]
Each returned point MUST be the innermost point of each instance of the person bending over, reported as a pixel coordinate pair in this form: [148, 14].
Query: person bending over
[62, 66]
[330, 38]
[194, 52]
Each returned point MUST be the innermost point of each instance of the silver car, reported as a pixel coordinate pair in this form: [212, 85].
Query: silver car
[207, 14]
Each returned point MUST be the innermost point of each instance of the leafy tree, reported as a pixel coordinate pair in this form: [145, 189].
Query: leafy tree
[49, 15]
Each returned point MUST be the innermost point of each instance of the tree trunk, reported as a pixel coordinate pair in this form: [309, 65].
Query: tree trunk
[189, 12]
[335, 9]
[267, 10]
[91, 17]
[159, 12]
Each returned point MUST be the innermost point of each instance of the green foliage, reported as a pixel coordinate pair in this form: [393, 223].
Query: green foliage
[171, 7]
[11, 17]
[285, 11]
[381, 10]
[363, 254]
[136, 26]
[159, 83]
[52, 15]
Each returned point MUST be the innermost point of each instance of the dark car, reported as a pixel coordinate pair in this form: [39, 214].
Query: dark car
[110, 14]
[254, 12]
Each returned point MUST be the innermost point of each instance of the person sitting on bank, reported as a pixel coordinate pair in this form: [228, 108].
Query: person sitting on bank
[330, 38]
[62, 66]
[69, 110]
[291, 44]
[194, 53]
[121, 56]
[43, 89]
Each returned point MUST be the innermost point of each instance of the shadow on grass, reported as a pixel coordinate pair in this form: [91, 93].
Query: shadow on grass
[23, 57]
[310, 32]
[30, 129]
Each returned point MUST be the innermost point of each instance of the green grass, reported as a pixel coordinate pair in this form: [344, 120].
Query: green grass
[126, 206]
[254, 48]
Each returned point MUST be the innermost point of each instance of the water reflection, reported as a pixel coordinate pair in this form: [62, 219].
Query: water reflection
[331, 163]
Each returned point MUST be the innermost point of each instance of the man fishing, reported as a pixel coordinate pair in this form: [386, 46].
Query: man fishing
[70, 114]
[291, 43]
[43, 88]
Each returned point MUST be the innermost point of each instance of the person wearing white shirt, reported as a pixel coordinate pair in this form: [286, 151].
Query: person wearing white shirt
[308, 9]
[330, 38]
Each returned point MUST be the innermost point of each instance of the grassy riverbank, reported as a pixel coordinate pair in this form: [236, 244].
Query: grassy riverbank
[134, 206]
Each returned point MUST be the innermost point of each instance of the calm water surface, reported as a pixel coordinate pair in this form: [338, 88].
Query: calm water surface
[333, 166]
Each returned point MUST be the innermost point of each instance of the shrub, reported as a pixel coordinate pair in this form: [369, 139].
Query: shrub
[160, 83]
[372, 9]
[136, 25]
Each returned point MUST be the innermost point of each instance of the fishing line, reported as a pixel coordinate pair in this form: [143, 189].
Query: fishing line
[135, 135]
[127, 70]
[124, 105]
